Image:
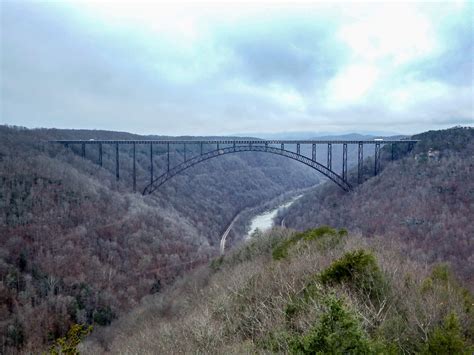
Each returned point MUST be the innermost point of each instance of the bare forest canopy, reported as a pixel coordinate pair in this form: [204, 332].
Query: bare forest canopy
[77, 247]
[426, 201]
[323, 291]
[394, 284]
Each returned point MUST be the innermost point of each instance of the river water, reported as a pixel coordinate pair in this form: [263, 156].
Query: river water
[264, 221]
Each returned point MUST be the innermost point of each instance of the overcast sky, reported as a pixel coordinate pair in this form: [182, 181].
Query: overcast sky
[221, 69]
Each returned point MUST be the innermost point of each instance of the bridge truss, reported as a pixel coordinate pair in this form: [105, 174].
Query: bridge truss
[226, 146]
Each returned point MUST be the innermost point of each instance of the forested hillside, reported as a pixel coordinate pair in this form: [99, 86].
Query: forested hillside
[384, 287]
[323, 291]
[425, 201]
[78, 247]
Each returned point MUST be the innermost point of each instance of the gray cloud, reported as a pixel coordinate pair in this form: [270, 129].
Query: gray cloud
[296, 53]
[58, 70]
[455, 63]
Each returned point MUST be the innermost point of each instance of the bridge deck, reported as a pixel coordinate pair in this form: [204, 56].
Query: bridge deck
[232, 141]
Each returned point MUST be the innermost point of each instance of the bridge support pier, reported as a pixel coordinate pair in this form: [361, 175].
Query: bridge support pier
[83, 150]
[344, 161]
[100, 154]
[117, 173]
[329, 156]
[360, 163]
[297, 148]
[313, 152]
[151, 163]
[377, 158]
[134, 168]
[168, 158]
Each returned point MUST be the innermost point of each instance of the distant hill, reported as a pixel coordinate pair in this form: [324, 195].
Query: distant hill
[318, 135]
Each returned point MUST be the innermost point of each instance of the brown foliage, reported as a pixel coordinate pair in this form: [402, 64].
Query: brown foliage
[426, 203]
[76, 247]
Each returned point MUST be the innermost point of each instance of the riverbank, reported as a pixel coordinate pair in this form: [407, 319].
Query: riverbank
[277, 203]
[266, 220]
[241, 224]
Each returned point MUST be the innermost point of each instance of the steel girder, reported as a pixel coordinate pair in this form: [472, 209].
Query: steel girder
[160, 180]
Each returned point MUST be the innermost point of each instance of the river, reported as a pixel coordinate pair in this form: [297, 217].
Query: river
[264, 221]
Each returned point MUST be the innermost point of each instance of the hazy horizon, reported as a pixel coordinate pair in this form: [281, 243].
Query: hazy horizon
[263, 135]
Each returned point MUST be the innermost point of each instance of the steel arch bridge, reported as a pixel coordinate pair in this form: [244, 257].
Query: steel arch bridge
[250, 148]
[225, 146]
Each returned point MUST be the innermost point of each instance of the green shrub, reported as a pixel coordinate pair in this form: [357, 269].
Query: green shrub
[325, 237]
[442, 278]
[68, 344]
[338, 332]
[427, 285]
[275, 341]
[441, 273]
[255, 247]
[156, 287]
[448, 339]
[103, 315]
[300, 301]
[216, 263]
[15, 334]
[357, 268]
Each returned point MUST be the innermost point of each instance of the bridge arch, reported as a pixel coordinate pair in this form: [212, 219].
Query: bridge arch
[160, 180]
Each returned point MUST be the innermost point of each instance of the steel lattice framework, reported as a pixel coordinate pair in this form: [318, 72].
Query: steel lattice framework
[227, 146]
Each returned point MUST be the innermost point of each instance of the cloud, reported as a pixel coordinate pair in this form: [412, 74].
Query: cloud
[453, 63]
[175, 69]
[394, 32]
[295, 52]
[351, 85]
